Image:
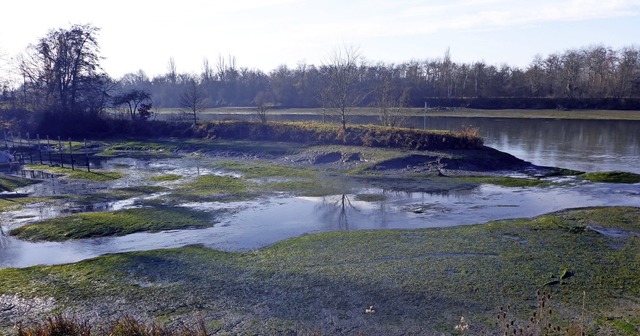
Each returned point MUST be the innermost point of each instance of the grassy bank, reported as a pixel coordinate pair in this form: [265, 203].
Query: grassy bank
[79, 173]
[414, 281]
[117, 223]
[11, 183]
[331, 134]
[460, 112]
[611, 177]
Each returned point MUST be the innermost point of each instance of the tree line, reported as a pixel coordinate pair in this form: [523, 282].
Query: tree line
[595, 72]
[61, 77]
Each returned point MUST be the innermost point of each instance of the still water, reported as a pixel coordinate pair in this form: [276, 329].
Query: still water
[585, 145]
[581, 145]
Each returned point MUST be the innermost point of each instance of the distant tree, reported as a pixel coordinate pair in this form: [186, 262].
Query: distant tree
[391, 105]
[62, 71]
[137, 103]
[135, 80]
[144, 110]
[628, 72]
[207, 75]
[341, 91]
[263, 102]
[172, 72]
[193, 99]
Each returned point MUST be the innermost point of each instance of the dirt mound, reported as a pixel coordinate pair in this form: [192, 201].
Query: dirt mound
[485, 159]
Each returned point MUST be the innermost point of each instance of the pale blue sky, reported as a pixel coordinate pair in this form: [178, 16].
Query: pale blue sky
[266, 33]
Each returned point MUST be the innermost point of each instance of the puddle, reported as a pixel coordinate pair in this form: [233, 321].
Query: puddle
[261, 222]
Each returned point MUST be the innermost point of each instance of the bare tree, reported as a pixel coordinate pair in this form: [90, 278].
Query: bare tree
[391, 104]
[628, 71]
[4, 79]
[63, 69]
[193, 99]
[208, 74]
[263, 102]
[341, 91]
[172, 72]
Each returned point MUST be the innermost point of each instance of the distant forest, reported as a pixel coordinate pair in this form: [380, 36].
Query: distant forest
[61, 77]
[592, 77]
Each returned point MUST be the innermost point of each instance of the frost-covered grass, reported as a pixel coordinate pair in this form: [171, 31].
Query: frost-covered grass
[416, 280]
[115, 223]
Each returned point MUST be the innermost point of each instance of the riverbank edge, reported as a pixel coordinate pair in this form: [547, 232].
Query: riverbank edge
[295, 285]
[433, 112]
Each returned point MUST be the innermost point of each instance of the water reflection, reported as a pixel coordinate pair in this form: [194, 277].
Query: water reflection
[335, 210]
[587, 145]
[258, 223]
[402, 203]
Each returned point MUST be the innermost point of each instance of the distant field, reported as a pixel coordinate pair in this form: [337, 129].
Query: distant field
[553, 114]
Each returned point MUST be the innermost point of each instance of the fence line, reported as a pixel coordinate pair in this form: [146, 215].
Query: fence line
[19, 150]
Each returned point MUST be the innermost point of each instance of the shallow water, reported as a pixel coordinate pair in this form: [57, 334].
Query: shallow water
[265, 221]
[574, 144]
[586, 145]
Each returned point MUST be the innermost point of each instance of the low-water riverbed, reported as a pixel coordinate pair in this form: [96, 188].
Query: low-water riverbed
[267, 220]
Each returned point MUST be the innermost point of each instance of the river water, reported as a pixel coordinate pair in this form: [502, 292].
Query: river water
[574, 144]
[585, 145]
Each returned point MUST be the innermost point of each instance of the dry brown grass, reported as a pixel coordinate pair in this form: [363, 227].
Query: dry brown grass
[60, 325]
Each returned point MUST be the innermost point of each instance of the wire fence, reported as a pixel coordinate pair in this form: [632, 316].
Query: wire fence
[19, 149]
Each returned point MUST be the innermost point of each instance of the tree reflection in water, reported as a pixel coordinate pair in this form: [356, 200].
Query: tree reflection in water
[337, 210]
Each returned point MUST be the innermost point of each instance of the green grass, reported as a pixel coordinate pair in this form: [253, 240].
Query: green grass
[612, 177]
[139, 148]
[210, 185]
[419, 281]
[8, 204]
[261, 169]
[80, 173]
[11, 183]
[117, 223]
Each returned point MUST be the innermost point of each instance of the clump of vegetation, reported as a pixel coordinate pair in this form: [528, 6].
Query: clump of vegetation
[612, 177]
[11, 183]
[146, 147]
[116, 223]
[80, 173]
[354, 135]
[7, 204]
[60, 325]
[258, 169]
[215, 184]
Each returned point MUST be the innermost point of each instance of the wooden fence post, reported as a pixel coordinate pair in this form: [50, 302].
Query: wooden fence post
[29, 148]
[49, 150]
[60, 152]
[71, 155]
[39, 148]
[86, 154]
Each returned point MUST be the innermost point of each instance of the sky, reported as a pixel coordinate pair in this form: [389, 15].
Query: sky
[264, 34]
